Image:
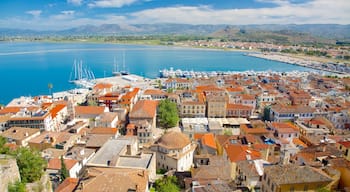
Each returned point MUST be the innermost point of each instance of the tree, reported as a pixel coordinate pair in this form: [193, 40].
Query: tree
[168, 114]
[30, 164]
[50, 86]
[167, 184]
[63, 171]
[3, 149]
[17, 187]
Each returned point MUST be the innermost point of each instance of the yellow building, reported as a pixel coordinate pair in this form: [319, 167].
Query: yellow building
[344, 146]
[292, 177]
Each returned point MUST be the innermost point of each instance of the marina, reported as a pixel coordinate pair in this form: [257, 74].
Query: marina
[51, 63]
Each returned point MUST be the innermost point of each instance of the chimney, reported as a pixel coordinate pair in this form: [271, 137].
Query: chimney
[26, 134]
[128, 149]
[82, 152]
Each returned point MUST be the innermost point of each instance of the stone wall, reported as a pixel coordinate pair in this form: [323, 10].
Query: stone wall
[8, 172]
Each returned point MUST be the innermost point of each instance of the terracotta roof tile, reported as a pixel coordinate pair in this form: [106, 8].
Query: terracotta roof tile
[345, 143]
[55, 163]
[144, 109]
[12, 110]
[102, 86]
[241, 152]
[173, 140]
[82, 110]
[57, 108]
[104, 130]
[68, 185]
[208, 140]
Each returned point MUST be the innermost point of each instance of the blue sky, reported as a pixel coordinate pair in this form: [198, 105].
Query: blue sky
[62, 14]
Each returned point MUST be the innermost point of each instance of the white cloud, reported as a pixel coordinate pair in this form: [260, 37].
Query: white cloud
[64, 15]
[111, 3]
[75, 2]
[312, 12]
[316, 12]
[34, 13]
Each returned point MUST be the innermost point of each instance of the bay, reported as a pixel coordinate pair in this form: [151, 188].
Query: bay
[26, 68]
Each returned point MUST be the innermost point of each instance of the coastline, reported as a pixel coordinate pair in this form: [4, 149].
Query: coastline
[327, 67]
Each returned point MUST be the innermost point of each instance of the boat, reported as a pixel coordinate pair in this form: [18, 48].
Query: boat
[124, 72]
[115, 71]
[81, 75]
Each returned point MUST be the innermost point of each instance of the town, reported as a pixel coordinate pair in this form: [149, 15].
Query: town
[248, 131]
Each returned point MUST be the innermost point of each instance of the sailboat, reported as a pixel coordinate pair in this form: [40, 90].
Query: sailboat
[83, 76]
[115, 71]
[124, 72]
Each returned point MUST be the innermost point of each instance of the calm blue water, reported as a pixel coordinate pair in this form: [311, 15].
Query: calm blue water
[27, 68]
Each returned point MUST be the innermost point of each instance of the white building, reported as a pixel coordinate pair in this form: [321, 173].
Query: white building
[174, 151]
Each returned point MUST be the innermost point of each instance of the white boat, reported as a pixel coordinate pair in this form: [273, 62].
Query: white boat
[81, 76]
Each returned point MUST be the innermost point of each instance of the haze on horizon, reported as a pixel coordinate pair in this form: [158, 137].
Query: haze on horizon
[64, 14]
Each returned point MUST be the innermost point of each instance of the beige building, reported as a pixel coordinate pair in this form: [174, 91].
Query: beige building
[20, 135]
[216, 105]
[192, 109]
[293, 178]
[174, 151]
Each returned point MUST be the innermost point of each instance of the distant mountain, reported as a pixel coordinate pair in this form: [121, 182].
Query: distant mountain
[284, 36]
[309, 31]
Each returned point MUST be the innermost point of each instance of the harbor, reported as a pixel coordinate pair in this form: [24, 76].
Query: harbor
[329, 67]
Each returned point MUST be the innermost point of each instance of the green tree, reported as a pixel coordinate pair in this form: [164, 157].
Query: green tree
[63, 171]
[168, 114]
[30, 164]
[17, 187]
[3, 149]
[167, 184]
[50, 86]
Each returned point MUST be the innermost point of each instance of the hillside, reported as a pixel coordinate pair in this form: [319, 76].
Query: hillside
[270, 33]
[280, 37]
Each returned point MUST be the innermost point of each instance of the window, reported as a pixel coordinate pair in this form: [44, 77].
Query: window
[292, 188]
[272, 187]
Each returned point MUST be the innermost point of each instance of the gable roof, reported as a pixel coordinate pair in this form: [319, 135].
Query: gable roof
[114, 179]
[294, 174]
[209, 140]
[104, 130]
[144, 109]
[241, 152]
[55, 163]
[68, 185]
[89, 110]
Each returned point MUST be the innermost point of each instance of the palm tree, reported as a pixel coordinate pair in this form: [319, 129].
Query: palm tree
[50, 86]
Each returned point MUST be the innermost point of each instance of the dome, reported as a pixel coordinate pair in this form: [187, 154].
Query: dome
[174, 140]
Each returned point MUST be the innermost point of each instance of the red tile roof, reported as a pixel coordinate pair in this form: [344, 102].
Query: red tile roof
[84, 110]
[104, 130]
[144, 109]
[7, 110]
[68, 185]
[154, 92]
[209, 140]
[241, 153]
[56, 163]
[345, 143]
[57, 109]
[102, 86]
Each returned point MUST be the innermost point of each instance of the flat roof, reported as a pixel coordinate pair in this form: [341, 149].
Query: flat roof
[109, 151]
[141, 161]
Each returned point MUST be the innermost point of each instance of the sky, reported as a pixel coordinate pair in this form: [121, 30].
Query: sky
[64, 14]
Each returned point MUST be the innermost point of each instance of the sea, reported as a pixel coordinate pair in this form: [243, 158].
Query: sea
[26, 68]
